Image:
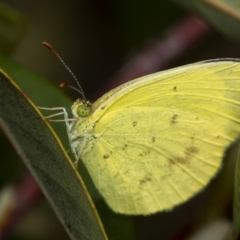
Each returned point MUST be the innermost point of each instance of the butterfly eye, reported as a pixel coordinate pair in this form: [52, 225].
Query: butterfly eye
[83, 110]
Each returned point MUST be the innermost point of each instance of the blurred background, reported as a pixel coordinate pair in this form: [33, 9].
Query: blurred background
[97, 39]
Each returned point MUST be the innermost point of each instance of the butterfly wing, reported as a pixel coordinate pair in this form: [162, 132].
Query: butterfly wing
[158, 140]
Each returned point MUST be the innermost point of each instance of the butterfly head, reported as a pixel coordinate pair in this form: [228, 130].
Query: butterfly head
[81, 108]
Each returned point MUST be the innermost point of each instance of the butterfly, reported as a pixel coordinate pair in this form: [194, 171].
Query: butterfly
[156, 141]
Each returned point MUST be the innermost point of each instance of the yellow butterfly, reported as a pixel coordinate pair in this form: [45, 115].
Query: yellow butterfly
[154, 142]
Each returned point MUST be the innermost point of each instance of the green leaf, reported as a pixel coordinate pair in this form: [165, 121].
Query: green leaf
[45, 94]
[43, 155]
[224, 15]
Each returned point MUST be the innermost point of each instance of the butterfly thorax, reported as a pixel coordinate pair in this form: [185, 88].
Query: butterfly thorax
[80, 133]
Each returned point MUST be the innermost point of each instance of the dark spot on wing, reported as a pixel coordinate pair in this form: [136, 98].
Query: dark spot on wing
[103, 107]
[191, 150]
[153, 139]
[134, 124]
[165, 176]
[176, 160]
[116, 175]
[174, 119]
[189, 153]
[124, 147]
[144, 153]
[170, 162]
[175, 89]
[105, 156]
[145, 180]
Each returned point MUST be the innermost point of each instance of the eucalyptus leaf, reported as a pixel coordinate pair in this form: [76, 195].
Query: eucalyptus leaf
[43, 154]
[43, 93]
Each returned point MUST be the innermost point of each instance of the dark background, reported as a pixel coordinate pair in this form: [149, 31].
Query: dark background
[96, 38]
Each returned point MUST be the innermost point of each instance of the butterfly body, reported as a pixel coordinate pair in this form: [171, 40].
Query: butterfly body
[154, 142]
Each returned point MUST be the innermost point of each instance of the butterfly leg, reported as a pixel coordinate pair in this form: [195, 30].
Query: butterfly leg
[63, 112]
[68, 122]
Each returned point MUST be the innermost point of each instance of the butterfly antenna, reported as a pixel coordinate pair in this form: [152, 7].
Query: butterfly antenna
[50, 47]
[63, 84]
